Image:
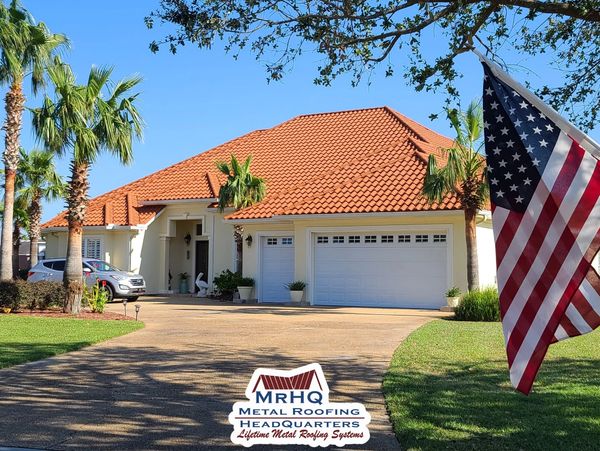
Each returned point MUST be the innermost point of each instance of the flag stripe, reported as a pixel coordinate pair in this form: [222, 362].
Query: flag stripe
[549, 310]
[523, 378]
[545, 234]
[559, 266]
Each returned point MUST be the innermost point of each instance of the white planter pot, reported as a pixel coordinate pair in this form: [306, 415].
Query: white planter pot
[245, 293]
[453, 301]
[296, 296]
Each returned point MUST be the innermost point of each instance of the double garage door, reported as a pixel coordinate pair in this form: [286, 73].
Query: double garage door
[380, 269]
[376, 269]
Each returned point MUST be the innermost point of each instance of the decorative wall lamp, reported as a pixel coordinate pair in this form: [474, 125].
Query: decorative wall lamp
[249, 240]
[188, 239]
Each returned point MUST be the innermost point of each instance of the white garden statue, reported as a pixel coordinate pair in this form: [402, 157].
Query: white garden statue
[202, 286]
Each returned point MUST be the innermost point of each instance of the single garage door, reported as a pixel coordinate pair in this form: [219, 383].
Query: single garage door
[403, 269]
[277, 268]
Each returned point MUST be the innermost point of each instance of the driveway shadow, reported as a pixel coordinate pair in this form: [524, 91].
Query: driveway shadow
[153, 398]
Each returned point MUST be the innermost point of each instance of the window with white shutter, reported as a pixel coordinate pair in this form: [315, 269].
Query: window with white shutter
[92, 248]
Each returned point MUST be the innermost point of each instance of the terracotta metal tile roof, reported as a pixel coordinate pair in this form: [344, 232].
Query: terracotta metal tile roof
[370, 160]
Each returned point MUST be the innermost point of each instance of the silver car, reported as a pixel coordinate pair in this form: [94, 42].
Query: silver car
[119, 284]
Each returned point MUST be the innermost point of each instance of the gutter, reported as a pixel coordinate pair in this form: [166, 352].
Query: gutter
[178, 201]
[288, 218]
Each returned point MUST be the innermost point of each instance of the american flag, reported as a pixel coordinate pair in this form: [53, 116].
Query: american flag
[545, 190]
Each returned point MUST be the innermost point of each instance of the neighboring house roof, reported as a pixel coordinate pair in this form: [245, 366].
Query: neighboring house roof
[358, 161]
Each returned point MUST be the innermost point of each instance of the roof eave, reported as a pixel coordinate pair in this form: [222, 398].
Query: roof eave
[386, 214]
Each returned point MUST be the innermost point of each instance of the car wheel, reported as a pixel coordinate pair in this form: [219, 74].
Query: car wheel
[132, 298]
[109, 291]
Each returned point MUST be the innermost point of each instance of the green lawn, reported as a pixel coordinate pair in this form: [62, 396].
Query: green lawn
[27, 338]
[448, 388]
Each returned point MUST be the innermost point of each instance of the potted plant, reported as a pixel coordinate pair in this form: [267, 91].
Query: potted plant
[452, 297]
[296, 291]
[244, 288]
[183, 282]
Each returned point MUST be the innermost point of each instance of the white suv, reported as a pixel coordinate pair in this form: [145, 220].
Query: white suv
[119, 284]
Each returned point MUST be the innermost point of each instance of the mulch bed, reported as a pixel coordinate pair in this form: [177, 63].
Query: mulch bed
[83, 315]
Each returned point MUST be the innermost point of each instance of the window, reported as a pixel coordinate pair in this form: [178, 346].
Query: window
[199, 229]
[91, 248]
[288, 241]
[403, 238]
[338, 240]
[271, 241]
[371, 239]
[58, 265]
[322, 240]
[354, 239]
[439, 238]
[422, 238]
[387, 238]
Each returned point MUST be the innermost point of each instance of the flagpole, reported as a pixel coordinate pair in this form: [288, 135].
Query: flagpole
[584, 140]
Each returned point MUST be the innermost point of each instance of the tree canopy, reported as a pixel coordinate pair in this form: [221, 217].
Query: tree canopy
[355, 36]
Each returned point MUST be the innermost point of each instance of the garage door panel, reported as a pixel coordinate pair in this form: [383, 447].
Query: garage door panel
[277, 268]
[388, 274]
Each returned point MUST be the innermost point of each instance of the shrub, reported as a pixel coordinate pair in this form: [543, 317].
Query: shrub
[10, 295]
[96, 297]
[45, 294]
[227, 283]
[245, 282]
[298, 285]
[19, 294]
[453, 292]
[479, 305]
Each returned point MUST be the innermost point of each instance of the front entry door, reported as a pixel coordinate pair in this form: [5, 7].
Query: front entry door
[201, 260]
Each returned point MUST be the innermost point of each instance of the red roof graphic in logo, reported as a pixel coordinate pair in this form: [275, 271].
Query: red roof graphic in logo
[298, 382]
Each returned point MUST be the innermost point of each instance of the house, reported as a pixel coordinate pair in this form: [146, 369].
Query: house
[25, 256]
[343, 212]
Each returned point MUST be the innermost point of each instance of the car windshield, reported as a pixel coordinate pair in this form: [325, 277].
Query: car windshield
[99, 265]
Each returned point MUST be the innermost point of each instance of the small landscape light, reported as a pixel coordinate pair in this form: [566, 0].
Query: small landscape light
[137, 310]
[125, 306]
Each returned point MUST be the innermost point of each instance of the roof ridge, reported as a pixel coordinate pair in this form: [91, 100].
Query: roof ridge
[351, 110]
[402, 119]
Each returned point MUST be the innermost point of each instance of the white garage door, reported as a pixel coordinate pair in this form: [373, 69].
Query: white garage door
[381, 269]
[277, 268]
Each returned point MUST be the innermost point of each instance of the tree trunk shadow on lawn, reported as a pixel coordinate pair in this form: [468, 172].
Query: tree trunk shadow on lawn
[474, 407]
[149, 397]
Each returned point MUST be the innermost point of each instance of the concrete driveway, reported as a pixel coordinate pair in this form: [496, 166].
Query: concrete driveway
[172, 384]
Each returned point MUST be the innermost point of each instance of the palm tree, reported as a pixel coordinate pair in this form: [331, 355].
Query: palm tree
[25, 49]
[241, 190]
[40, 181]
[465, 176]
[20, 221]
[86, 122]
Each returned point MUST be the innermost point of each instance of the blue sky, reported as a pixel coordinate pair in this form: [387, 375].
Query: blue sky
[198, 99]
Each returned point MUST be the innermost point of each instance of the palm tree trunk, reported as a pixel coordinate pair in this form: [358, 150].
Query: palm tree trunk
[16, 240]
[35, 214]
[14, 105]
[472, 259]
[238, 236]
[77, 206]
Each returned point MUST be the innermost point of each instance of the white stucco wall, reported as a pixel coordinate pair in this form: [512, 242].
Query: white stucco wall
[486, 251]
[160, 246]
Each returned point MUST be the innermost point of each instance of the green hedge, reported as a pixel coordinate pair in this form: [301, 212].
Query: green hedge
[479, 305]
[21, 295]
